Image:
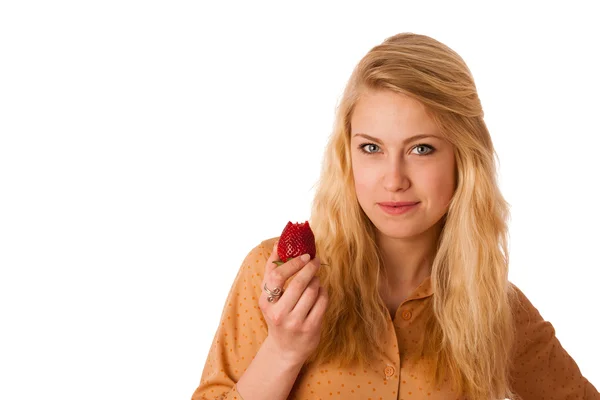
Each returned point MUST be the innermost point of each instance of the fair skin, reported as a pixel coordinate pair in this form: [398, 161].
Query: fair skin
[294, 325]
[394, 173]
[400, 169]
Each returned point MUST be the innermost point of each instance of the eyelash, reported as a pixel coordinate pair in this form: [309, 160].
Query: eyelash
[362, 148]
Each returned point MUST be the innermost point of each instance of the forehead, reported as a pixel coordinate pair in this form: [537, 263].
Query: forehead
[390, 116]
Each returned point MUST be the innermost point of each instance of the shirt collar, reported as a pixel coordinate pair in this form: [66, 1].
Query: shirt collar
[423, 290]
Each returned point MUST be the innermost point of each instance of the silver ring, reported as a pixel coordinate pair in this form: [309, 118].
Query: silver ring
[274, 294]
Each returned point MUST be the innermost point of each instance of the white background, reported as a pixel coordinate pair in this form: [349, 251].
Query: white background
[146, 147]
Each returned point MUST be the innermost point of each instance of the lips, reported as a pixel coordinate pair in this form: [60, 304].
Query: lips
[398, 203]
[398, 209]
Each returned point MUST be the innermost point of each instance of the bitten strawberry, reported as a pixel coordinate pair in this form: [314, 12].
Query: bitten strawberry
[295, 240]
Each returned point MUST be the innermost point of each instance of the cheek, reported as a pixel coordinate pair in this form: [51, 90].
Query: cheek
[363, 180]
[360, 183]
[441, 183]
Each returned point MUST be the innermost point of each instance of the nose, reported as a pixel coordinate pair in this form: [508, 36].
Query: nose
[396, 176]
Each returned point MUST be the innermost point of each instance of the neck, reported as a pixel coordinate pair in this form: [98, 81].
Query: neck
[407, 261]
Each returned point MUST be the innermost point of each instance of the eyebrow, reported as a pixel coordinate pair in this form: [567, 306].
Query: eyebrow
[410, 139]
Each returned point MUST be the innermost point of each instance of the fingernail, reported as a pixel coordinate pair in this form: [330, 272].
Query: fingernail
[305, 257]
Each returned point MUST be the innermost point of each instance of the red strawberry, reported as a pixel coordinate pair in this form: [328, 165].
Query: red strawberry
[295, 240]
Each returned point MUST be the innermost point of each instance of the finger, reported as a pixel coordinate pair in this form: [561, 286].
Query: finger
[278, 276]
[270, 265]
[315, 315]
[297, 285]
[293, 266]
[307, 300]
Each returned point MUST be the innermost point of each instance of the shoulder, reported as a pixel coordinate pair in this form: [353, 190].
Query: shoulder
[254, 262]
[523, 311]
[263, 250]
[522, 308]
[246, 286]
[531, 328]
[518, 301]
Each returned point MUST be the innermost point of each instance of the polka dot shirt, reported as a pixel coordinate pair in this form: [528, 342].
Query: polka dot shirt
[543, 369]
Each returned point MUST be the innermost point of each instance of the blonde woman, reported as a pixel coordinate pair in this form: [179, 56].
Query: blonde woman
[414, 301]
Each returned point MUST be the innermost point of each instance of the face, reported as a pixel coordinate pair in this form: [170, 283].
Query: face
[391, 165]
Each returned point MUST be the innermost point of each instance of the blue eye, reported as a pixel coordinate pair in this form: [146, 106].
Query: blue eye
[424, 146]
[363, 146]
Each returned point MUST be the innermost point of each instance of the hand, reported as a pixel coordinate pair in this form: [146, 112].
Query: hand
[295, 319]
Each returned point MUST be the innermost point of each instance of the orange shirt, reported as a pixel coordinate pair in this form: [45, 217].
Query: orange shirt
[543, 369]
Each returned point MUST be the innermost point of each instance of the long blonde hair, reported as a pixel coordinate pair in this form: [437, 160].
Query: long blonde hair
[471, 332]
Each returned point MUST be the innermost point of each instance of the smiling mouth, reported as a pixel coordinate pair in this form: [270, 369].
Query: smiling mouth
[398, 210]
[398, 203]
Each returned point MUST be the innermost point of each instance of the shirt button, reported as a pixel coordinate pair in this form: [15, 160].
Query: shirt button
[389, 371]
[406, 315]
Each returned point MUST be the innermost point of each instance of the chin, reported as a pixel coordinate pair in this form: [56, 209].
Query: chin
[405, 230]
[399, 232]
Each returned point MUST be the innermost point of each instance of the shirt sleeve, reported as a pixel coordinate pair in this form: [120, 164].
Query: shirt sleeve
[241, 332]
[542, 368]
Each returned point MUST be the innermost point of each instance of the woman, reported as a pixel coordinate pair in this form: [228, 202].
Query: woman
[414, 300]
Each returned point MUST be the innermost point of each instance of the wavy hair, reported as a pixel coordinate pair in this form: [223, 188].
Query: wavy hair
[470, 334]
